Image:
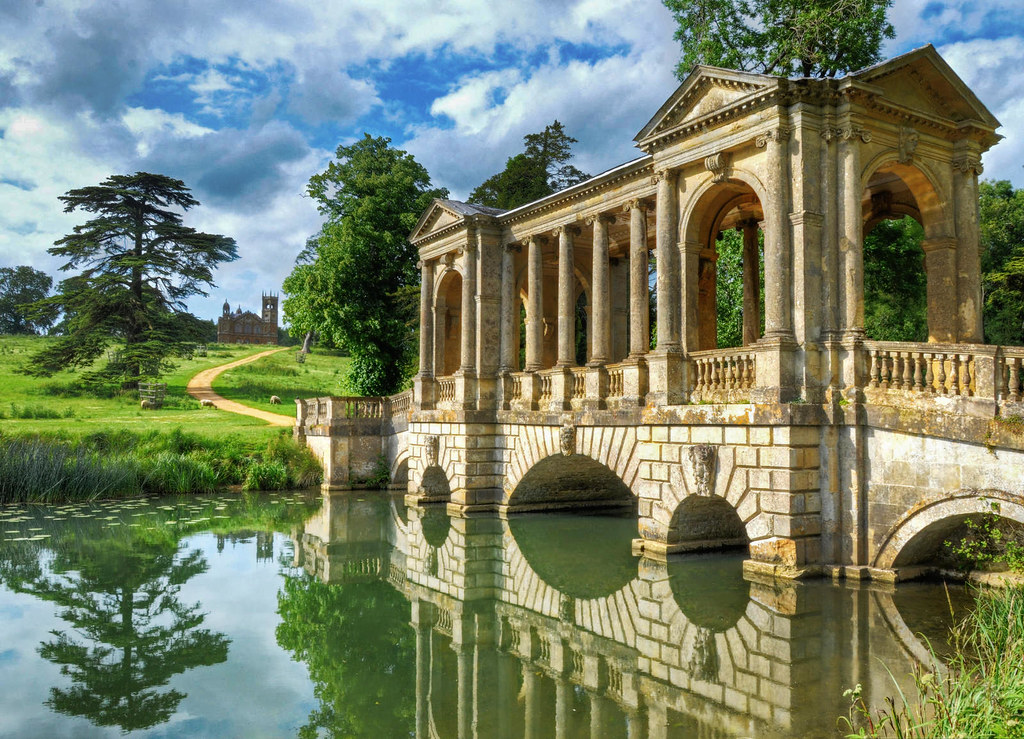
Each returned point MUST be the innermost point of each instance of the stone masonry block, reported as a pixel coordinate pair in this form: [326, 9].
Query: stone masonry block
[746, 456]
[649, 451]
[670, 453]
[679, 434]
[760, 436]
[807, 524]
[707, 435]
[643, 433]
[748, 506]
[659, 433]
[782, 503]
[736, 435]
[796, 435]
[778, 456]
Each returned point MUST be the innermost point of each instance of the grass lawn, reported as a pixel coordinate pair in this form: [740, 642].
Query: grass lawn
[53, 405]
[279, 374]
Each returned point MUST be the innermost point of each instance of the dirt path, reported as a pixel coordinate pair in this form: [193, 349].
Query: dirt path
[200, 388]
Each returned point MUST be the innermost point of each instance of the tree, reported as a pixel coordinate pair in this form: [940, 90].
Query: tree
[138, 264]
[20, 286]
[1002, 240]
[810, 38]
[540, 170]
[895, 285]
[347, 281]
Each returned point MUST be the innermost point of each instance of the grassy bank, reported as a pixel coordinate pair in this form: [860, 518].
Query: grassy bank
[58, 405]
[321, 374]
[56, 468]
[980, 693]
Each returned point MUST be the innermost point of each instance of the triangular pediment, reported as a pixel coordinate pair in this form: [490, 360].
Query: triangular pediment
[707, 91]
[443, 214]
[922, 81]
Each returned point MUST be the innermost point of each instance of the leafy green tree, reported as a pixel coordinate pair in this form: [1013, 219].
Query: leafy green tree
[543, 168]
[20, 286]
[129, 633]
[347, 282]
[810, 38]
[361, 653]
[895, 285]
[729, 287]
[138, 264]
[1002, 240]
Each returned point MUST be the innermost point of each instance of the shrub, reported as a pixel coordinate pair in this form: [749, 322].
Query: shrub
[265, 476]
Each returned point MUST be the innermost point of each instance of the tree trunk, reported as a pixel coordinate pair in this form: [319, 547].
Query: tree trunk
[307, 342]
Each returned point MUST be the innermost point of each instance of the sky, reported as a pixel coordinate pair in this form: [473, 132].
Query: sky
[244, 101]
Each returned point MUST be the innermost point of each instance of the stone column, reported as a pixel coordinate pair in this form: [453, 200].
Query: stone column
[668, 272]
[422, 670]
[600, 294]
[851, 246]
[470, 253]
[778, 297]
[535, 305]
[940, 263]
[566, 297]
[426, 319]
[751, 283]
[639, 291]
[689, 274]
[530, 699]
[966, 169]
[509, 314]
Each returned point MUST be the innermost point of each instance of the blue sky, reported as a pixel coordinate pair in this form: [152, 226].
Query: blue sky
[244, 101]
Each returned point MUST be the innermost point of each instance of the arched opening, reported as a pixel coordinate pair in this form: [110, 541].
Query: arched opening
[582, 557]
[574, 482]
[726, 224]
[910, 275]
[434, 484]
[400, 475]
[701, 523]
[448, 323]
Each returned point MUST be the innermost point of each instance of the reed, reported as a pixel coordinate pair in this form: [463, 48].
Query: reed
[979, 693]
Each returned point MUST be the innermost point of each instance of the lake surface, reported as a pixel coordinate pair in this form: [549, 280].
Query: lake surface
[350, 615]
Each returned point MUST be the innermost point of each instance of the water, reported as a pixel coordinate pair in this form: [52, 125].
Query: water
[350, 616]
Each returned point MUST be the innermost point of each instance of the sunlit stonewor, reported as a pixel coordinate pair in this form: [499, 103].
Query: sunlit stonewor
[830, 450]
[245, 327]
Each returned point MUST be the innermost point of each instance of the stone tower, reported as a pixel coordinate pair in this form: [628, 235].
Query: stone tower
[270, 314]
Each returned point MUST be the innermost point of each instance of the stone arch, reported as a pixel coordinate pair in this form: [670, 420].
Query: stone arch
[614, 447]
[919, 531]
[400, 470]
[705, 522]
[913, 190]
[738, 202]
[576, 481]
[448, 321]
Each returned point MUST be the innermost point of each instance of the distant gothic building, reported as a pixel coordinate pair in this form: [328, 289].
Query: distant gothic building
[245, 327]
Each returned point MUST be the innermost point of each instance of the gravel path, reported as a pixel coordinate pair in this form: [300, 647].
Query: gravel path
[200, 388]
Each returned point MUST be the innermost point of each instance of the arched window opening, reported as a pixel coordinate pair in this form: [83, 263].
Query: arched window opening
[522, 334]
[739, 296]
[448, 323]
[895, 283]
[582, 329]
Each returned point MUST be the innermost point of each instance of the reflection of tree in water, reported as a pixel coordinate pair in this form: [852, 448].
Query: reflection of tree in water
[361, 653]
[129, 632]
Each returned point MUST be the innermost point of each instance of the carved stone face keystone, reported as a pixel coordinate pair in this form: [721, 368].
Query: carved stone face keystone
[432, 443]
[567, 440]
[702, 462]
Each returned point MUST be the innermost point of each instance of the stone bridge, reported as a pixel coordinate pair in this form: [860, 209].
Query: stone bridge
[561, 366]
[501, 627]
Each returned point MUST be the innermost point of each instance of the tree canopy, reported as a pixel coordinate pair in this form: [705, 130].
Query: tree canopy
[20, 286]
[543, 168]
[348, 281]
[138, 264]
[1002, 240]
[809, 38]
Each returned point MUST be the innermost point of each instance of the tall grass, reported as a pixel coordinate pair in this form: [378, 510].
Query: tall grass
[114, 464]
[980, 693]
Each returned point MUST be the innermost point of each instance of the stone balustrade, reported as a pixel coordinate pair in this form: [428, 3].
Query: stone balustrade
[1010, 375]
[325, 411]
[723, 375]
[935, 369]
[445, 389]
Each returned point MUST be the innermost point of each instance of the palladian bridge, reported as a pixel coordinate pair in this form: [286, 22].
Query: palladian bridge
[547, 381]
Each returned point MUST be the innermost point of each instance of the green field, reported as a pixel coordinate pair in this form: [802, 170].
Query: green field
[56, 406]
[279, 374]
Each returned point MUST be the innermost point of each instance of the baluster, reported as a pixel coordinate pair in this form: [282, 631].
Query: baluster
[873, 370]
[715, 374]
[733, 373]
[1015, 367]
[942, 374]
[918, 368]
[883, 370]
[954, 374]
[965, 375]
[929, 380]
[908, 371]
[896, 380]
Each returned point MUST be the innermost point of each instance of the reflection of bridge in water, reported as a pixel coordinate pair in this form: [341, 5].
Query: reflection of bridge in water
[512, 640]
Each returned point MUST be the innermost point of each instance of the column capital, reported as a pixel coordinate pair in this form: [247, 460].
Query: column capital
[567, 228]
[538, 239]
[718, 166]
[512, 246]
[600, 218]
[848, 132]
[778, 134]
[748, 223]
[663, 175]
[636, 204]
[968, 163]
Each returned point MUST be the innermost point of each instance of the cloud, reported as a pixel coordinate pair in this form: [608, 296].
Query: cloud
[325, 94]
